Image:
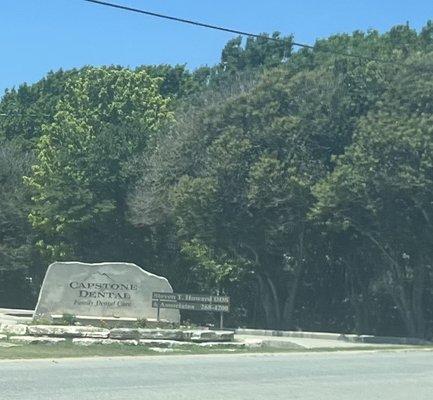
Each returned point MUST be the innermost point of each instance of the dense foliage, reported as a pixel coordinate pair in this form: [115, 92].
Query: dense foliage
[299, 183]
[18, 257]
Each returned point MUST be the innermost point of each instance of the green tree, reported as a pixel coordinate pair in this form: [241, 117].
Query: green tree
[23, 111]
[105, 116]
[297, 182]
[177, 81]
[233, 179]
[17, 254]
[382, 187]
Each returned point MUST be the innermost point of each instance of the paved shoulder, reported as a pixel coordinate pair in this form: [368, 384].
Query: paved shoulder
[324, 376]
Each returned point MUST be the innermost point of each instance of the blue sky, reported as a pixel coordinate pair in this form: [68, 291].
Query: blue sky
[37, 36]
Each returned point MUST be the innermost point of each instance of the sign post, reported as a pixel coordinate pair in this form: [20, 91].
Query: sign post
[158, 312]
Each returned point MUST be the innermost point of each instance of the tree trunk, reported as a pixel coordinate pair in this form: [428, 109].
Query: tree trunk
[417, 299]
[268, 301]
[293, 286]
[357, 295]
[408, 301]
[289, 306]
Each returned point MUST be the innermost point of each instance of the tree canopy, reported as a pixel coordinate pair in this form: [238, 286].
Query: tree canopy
[297, 182]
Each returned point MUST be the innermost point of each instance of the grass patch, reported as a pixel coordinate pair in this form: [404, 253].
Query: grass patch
[69, 350]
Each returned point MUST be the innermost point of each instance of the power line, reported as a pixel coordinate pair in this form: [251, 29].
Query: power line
[238, 32]
[196, 23]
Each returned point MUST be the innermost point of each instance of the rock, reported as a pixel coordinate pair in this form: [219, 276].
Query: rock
[165, 343]
[16, 329]
[124, 333]
[199, 336]
[208, 336]
[224, 336]
[195, 335]
[141, 333]
[90, 342]
[156, 343]
[102, 290]
[68, 331]
[166, 334]
[223, 345]
[36, 339]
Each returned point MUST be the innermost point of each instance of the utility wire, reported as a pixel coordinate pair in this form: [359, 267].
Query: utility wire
[238, 32]
[196, 23]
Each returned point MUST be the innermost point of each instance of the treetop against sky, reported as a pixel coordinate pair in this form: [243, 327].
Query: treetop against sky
[42, 36]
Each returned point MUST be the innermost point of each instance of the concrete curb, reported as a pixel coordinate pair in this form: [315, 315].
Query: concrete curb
[294, 334]
[352, 338]
[387, 340]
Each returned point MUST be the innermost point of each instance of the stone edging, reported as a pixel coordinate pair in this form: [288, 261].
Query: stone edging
[65, 331]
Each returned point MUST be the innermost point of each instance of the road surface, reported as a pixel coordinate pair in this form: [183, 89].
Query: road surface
[379, 375]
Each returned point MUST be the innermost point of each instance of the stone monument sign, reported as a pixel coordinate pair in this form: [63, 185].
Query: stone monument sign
[120, 290]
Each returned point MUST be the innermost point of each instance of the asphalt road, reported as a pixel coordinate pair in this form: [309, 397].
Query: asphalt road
[318, 376]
